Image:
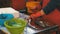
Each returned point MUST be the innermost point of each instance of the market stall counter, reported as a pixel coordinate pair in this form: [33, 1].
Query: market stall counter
[30, 30]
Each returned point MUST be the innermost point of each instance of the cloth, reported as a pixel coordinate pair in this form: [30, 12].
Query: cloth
[5, 17]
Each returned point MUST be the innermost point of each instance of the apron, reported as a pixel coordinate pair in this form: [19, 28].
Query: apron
[54, 16]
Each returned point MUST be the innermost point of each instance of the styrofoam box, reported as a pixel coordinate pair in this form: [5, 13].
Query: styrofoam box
[9, 10]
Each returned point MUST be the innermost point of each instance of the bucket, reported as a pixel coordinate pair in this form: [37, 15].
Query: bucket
[4, 17]
[15, 26]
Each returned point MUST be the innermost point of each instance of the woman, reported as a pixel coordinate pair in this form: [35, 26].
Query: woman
[51, 10]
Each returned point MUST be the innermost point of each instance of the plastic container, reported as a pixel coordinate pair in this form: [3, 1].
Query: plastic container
[4, 17]
[13, 28]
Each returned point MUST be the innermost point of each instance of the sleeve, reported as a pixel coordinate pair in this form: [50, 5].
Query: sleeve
[50, 7]
[58, 5]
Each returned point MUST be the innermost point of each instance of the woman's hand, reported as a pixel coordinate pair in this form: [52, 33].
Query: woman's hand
[36, 15]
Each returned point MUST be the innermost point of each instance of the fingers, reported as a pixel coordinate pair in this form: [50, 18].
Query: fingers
[32, 16]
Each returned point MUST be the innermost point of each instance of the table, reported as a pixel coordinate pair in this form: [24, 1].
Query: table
[29, 30]
[49, 29]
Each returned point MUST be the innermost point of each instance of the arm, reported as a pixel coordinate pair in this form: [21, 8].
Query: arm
[50, 7]
[46, 10]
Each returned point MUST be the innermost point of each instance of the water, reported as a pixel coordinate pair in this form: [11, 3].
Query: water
[14, 24]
